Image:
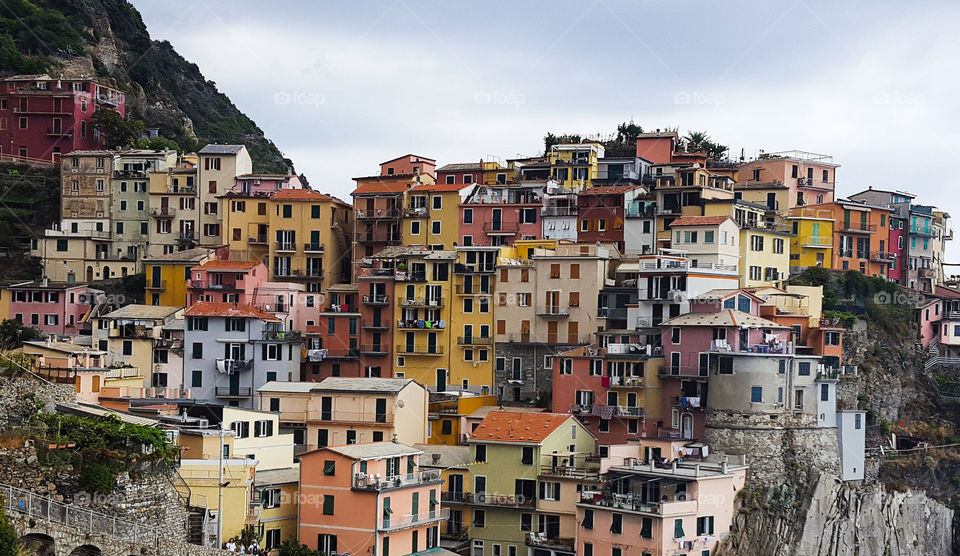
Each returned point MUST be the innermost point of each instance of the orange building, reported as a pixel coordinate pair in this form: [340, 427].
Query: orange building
[861, 234]
[369, 499]
[810, 177]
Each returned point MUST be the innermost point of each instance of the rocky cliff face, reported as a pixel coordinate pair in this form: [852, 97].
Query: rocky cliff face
[833, 518]
[108, 39]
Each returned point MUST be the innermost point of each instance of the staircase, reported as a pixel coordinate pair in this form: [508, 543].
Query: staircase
[196, 525]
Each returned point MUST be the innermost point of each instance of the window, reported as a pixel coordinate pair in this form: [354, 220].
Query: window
[708, 236]
[616, 523]
[196, 380]
[756, 243]
[415, 227]
[675, 335]
[756, 394]
[468, 216]
[587, 522]
[678, 529]
[857, 421]
[566, 366]
[778, 246]
[197, 350]
[479, 518]
[526, 457]
[327, 504]
[480, 453]
[435, 227]
[646, 528]
[127, 347]
[62, 245]
[549, 491]
[329, 468]
[803, 368]
[705, 525]
[833, 338]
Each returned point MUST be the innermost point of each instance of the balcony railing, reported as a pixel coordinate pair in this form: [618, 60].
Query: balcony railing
[336, 416]
[558, 211]
[881, 256]
[164, 212]
[231, 392]
[416, 211]
[475, 290]
[858, 227]
[817, 241]
[421, 301]
[285, 246]
[405, 276]
[373, 482]
[553, 311]
[407, 521]
[502, 500]
[474, 341]
[374, 349]
[259, 240]
[680, 504]
[612, 313]
[282, 335]
[378, 213]
[507, 228]
[123, 372]
[419, 349]
[60, 132]
[688, 401]
[158, 285]
[313, 248]
[452, 496]
[187, 236]
[376, 300]
[572, 471]
[566, 544]
[231, 366]
[418, 324]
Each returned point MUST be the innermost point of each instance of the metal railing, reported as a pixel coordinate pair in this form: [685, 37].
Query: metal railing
[553, 311]
[420, 349]
[423, 518]
[85, 520]
[421, 301]
[373, 482]
[285, 246]
[501, 227]
[376, 299]
[504, 500]
[313, 248]
[378, 213]
[164, 212]
[474, 341]
[228, 392]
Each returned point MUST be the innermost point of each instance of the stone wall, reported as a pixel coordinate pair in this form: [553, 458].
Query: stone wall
[148, 498]
[536, 379]
[17, 395]
[775, 447]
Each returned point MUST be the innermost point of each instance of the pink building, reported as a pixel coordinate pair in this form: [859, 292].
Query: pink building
[369, 499]
[655, 503]
[810, 177]
[502, 213]
[51, 307]
[43, 118]
[225, 281]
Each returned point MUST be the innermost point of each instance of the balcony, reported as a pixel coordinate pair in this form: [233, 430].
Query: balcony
[281, 335]
[452, 496]
[410, 521]
[558, 211]
[682, 504]
[157, 285]
[626, 382]
[122, 372]
[378, 213]
[695, 402]
[337, 416]
[540, 540]
[474, 341]
[858, 227]
[232, 392]
[286, 273]
[186, 189]
[569, 471]
[343, 353]
[416, 212]
[376, 300]
[362, 481]
[231, 366]
[259, 240]
[163, 212]
[460, 290]
[460, 268]
[389, 239]
[501, 228]
[313, 248]
[404, 276]
[500, 500]
[619, 313]
[420, 324]
[187, 236]
[53, 132]
[421, 302]
[634, 211]
[285, 247]
[374, 349]
[881, 256]
[553, 311]
[419, 349]
[816, 242]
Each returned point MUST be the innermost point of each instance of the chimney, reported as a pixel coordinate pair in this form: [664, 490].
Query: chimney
[436, 458]
[723, 467]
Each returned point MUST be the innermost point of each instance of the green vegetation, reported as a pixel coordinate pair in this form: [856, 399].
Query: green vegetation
[292, 547]
[9, 541]
[30, 34]
[13, 334]
[118, 131]
[100, 449]
[699, 141]
[624, 141]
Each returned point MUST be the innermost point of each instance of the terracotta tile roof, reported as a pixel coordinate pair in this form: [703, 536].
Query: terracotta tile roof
[374, 184]
[300, 195]
[513, 426]
[699, 221]
[217, 309]
[217, 265]
[460, 167]
[727, 317]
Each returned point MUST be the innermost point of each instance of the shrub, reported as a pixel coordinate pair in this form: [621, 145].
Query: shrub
[97, 477]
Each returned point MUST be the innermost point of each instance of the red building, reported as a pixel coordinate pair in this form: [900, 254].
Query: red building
[499, 214]
[663, 147]
[601, 214]
[43, 118]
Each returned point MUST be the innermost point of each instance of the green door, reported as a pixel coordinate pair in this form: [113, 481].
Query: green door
[235, 384]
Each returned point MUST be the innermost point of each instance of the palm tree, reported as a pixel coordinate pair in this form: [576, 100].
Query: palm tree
[697, 141]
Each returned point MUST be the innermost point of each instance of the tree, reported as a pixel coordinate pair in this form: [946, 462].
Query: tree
[699, 141]
[117, 130]
[13, 334]
[292, 547]
[549, 140]
[627, 133]
[9, 541]
[156, 144]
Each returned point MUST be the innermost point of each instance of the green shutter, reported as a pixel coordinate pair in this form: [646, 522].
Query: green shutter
[646, 529]
[678, 529]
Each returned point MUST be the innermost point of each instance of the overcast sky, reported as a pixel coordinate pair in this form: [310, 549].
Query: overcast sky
[342, 87]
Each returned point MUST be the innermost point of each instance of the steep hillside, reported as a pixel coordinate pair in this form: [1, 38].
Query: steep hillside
[108, 38]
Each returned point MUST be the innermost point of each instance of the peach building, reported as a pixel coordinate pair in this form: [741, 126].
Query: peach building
[369, 499]
[654, 502]
[810, 177]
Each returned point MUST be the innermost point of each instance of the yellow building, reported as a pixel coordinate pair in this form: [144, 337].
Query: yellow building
[448, 415]
[203, 452]
[575, 166]
[174, 208]
[454, 465]
[321, 255]
[431, 214]
[131, 334]
[764, 256]
[167, 275]
[812, 241]
[773, 195]
[257, 435]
